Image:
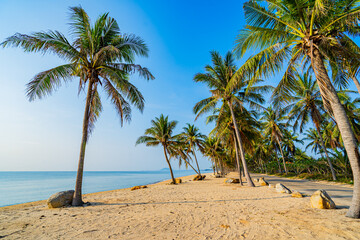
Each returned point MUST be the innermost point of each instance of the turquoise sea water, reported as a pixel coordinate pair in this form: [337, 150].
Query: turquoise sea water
[21, 187]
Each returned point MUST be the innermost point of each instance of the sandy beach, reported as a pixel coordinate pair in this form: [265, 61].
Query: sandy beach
[206, 209]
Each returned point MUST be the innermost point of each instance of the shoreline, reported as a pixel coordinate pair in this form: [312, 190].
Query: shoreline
[40, 202]
[208, 209]
[33, 203]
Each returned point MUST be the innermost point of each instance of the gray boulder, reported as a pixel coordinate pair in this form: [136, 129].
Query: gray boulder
[60, 199]
[282, 189]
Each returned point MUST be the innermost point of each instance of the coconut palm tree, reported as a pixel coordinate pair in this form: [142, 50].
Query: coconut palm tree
[214, 150]
[161, 133]
[331, 133]
[217, 78]
[224, 129]
[275, 128]
[179, 150]
[304, 33]
[353, 112]
[193, 139]
[261, 152]
[100, 56]
[307, 104]
[312, 135]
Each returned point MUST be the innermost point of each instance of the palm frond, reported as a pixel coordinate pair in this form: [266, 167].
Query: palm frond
[46, 82]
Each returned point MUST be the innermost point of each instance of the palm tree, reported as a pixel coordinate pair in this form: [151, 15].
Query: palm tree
[312, 135]
[100, 56]
[179, 150]
[289, 140]
[224, 129]
[331, 135]
[214, 150]
[261, 152]
[246, 120]
[217, 78]
[193, 139]
[307, 104]
[353, 112]
[275, 128]
[161, 132]
[295, 33]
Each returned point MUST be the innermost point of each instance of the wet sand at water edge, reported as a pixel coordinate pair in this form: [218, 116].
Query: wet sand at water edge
[206, 209]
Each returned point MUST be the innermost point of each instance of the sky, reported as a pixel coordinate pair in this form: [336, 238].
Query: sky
[45, 135]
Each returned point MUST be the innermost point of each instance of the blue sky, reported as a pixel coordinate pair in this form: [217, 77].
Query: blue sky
[45, 134]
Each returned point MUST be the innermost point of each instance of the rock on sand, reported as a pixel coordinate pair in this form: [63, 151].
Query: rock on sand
[320, 199]
[232, 180]
[262, 182]
[60, 199]
[282, 189]
[297, 194]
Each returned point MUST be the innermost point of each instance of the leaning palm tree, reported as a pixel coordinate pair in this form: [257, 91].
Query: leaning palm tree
[99, 56]
[224, 129]
[161, 133]
[179, 150]
[307, 104]
[353, 112]
[193, 139]
[331, 135]
[307, 33]
[217, 78]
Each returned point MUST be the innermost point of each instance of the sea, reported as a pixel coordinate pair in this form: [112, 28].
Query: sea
[22, 187]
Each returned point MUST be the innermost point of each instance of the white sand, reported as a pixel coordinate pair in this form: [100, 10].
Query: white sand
[207, 209]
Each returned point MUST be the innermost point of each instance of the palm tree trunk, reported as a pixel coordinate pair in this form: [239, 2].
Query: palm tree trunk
[326, 153]
[343, 123]
[266, 172]
[242, 156]
[237, 159]
[357, 84]
[77, 200]
[197, 164]
[278, 162]
[216, 166]
[168, 162]
[221, 167]
[282, 154]
[191, 166]
[261, 166]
